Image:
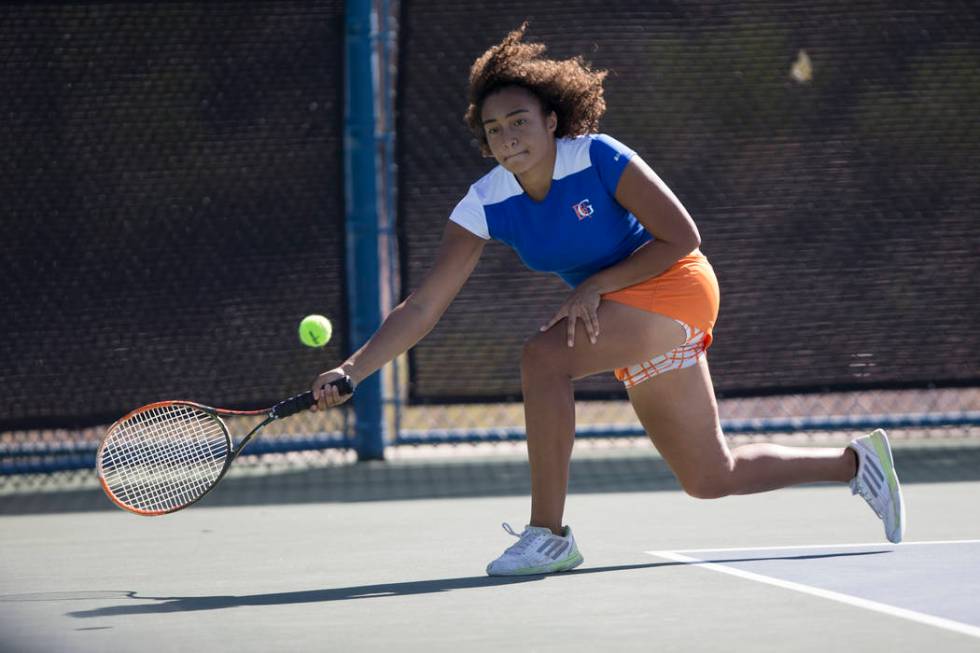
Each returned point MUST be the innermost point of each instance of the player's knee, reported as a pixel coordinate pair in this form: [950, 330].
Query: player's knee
[706, 485]
[540, 355]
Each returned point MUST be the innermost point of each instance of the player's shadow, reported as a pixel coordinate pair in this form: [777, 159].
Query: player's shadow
[198, 603]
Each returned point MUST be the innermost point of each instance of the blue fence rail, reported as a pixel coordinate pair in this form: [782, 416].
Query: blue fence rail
[35, 458]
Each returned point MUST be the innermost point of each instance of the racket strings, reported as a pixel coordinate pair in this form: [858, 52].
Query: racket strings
[168, 459]
[177, 464]
[141, 472]
[163, 458]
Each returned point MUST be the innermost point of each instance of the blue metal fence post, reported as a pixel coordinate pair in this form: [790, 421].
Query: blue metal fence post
[362, 216]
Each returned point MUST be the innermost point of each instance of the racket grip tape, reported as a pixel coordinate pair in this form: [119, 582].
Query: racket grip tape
[303, 401]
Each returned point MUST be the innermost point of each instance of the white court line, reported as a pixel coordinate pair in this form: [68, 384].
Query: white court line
[902, 613]
[817, 546]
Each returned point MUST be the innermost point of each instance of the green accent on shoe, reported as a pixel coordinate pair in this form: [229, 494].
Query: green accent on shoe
[566, 564]
[885, 456]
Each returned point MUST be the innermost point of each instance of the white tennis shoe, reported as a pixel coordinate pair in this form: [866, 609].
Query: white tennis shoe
[537, 551]
[877, 482]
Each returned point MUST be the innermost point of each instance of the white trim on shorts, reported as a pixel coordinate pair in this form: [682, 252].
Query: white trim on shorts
[685, 355]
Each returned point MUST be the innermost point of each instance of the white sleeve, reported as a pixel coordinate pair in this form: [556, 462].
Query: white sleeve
[469, 214]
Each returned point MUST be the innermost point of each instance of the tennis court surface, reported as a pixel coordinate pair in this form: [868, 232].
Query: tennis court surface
[391, 556]
[184, 181]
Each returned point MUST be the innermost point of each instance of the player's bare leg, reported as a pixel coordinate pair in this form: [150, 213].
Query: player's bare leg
[548, 367]
[679, 412]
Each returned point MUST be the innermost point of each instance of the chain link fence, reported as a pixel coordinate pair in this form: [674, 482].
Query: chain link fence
[173, 203]
[827, 152]
[172, 174]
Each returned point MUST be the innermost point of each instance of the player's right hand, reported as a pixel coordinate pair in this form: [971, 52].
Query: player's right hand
[325, 394]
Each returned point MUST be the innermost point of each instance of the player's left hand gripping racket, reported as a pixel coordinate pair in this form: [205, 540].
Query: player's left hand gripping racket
[166, 456]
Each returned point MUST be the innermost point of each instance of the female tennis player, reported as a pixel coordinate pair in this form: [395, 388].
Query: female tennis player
[643, 302]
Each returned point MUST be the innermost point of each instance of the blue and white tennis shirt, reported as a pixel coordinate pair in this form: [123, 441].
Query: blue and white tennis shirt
[578, 229]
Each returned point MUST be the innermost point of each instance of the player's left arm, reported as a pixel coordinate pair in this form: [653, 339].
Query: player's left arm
[646, 196]
[641, 192]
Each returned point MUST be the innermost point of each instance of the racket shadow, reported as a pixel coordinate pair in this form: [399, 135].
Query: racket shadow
[199, 603]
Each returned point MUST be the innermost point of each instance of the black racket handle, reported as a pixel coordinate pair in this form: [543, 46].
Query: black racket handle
[303, 401]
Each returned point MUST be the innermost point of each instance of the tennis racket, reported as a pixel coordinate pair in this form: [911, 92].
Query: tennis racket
[167, 455]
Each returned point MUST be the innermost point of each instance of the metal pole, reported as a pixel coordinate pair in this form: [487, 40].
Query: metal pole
[362, 216]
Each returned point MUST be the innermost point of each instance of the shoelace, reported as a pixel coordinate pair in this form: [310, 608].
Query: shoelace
[523, 539]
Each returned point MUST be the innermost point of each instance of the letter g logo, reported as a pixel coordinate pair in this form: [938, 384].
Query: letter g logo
[583, 209]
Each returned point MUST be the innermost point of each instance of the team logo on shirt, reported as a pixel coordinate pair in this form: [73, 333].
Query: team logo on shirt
[583, 209]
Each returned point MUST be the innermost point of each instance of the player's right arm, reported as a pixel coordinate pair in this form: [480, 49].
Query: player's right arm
[411, 320]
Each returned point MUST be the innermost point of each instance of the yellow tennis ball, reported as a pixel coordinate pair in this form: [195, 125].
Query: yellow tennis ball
[315, 331]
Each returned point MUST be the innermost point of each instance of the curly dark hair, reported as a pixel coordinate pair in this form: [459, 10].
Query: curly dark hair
[568, 87]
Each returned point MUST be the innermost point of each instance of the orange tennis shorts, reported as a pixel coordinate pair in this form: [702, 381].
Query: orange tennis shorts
[688, 293]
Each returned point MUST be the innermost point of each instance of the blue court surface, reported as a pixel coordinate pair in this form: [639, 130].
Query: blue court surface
[933, 583]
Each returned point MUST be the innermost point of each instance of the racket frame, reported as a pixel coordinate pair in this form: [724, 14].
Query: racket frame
[282, 409]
